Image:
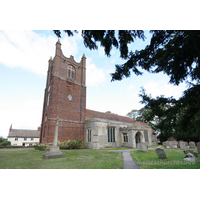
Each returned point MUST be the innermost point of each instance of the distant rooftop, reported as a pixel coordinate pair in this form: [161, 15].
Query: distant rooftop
[90, 114]
[24, 133]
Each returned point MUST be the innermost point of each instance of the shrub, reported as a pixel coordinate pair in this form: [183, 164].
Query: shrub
[63, 145]
[72, 144]
[40, 147]
[76, 144]
[6, 143]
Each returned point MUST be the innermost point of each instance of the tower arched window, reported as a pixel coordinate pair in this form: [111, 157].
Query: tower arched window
[71, 72]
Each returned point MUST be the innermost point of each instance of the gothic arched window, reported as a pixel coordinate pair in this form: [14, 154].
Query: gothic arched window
[71, 72]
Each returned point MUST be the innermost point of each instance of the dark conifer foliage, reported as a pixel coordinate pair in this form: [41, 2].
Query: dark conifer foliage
[173, 52]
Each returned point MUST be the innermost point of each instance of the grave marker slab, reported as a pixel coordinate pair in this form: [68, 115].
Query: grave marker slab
[161, 153]
[192, 145]
[182, 145]
[198, 147]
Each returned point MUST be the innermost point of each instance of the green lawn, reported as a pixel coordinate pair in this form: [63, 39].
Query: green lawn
[150, 160]
[75, 159]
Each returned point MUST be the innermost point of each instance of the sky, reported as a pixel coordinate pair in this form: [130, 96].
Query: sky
[23, 69]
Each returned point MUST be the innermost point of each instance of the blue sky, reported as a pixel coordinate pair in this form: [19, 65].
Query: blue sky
[23, 67]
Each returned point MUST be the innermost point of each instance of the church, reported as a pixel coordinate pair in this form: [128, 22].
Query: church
[65, 97]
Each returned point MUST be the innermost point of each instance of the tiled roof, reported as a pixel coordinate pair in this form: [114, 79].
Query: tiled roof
[24, 133]
[90, 114]
[145, 124]
[141, 123]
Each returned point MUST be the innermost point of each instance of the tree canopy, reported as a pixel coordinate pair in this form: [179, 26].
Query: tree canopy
[173, 52]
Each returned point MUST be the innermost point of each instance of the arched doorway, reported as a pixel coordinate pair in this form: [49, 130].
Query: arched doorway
[137, 138]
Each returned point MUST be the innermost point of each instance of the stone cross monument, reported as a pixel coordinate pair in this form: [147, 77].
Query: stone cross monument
[54, 150]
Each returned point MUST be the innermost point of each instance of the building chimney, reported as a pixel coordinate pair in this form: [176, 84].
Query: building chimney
[39, 128]
[11, 128]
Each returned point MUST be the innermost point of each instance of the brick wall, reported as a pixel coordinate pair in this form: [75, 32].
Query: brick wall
[71, 113]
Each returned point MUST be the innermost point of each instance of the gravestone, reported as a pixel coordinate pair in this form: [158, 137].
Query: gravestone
[164, 144]
[54, 150]
[138, 146]
[170, 143]
[192, 152]
[189, 157]
[167, 147]
[198, 147]
[192, 145]
[174, 146]
[182, 145]
[161, 153]
[186, 143]
[142, 146]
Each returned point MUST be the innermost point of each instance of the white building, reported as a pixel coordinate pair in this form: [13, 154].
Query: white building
[22, 137]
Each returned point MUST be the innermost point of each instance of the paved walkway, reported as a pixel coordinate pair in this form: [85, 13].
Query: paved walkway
[127, 158]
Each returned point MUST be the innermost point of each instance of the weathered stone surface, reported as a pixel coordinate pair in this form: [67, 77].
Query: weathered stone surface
[186, 143]
[190, 157]
[51, 156]
[192, 152]
[170, 143]
[161, 153]
[167, 147]
[192, 145]
[198, 147]
[54, 150]
[164, 144]
[174, 146]
[182, 145]
[142, 146]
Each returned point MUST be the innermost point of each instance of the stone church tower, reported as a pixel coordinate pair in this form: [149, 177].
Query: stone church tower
[65, 97]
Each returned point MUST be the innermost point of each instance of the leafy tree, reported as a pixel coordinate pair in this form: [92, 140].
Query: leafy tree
[2, 139]
[5, 143]
[111, 112]
[133, 114]
[173, 52]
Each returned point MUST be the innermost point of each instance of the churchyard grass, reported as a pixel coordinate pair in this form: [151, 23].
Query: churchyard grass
[150, 160]
[75, 159]
[117, 148]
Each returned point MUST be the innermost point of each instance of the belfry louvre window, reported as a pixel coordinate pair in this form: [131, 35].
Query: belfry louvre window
[89, 135]
[146, 136]
[71, 72]
[111, 134]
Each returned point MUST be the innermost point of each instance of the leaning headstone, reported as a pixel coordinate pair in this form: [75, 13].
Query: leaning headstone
[54, 150]
[182, 145]
[190, 157]
[174, 146]
[198, 147]
[161, 153]
[192, 145]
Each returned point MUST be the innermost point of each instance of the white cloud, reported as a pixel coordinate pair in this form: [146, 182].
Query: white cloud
[164, 88]
[94, 76]
[28, 50]
[131, 87]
